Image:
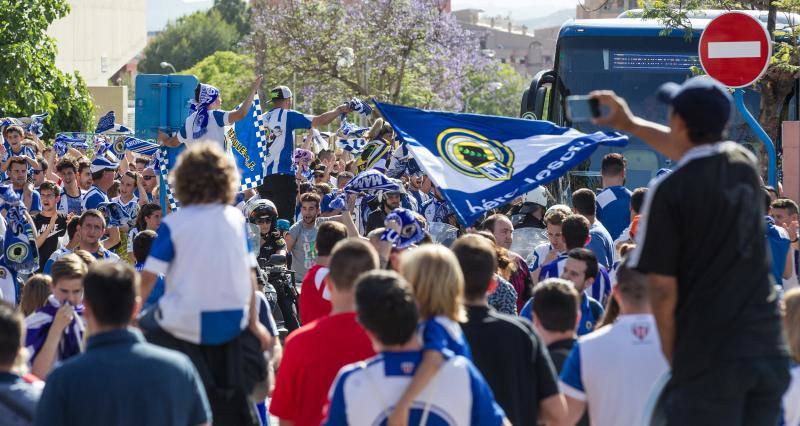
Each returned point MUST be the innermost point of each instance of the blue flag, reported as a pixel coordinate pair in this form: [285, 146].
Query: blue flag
[167, 159]
[19, 245]
[248, 139]
[480, 162]
[107, 124]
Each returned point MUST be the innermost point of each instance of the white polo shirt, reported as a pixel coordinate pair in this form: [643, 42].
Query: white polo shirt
[614, 369]
[204, 253]
[215, 130]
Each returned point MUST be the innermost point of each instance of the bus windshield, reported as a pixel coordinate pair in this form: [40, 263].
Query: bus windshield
[634, 68]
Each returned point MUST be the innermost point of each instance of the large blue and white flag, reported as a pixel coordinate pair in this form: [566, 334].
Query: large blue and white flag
[248, 139]
[481, 162]
[167, 159]
[130, 143]
[32, 124]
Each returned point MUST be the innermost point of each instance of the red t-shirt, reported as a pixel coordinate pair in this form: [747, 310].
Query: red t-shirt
[311, 359]
[315, 298]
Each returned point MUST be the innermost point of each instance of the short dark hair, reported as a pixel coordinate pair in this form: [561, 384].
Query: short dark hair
[575, 229]
[11, 329]
[141, 160]
[637, 199]
[15, 129]
[310, 197]
[490, 222]
[42, 163]
[584, 202]
[17, 160]
[72, 226]
[476, 255]
[49, 186]
[110, 289]
[349, 259]
[99, 174]
[631, 284]
[613, 164]
[556, 305]
[91, 213]
[767, 200]
[385, 306]
[587, 257]
[142, 243]
[83, 164]
[328, 234]
[325, 153]
[66, 163]
[786, 204]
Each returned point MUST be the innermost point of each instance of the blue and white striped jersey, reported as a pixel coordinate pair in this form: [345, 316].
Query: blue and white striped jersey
[600, 290]
[93, 198]
[281, 124]
[365, 392]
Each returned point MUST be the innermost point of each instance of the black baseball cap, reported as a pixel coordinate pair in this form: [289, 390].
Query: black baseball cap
[702, 102]
[280, 92]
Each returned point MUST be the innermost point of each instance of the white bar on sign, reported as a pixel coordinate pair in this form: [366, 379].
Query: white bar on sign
[734, 49]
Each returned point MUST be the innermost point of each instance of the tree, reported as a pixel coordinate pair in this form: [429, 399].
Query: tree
[30, 82]
[496, 90]
[777, 84]
[188, 40]
[234, 12]
[401, 51]
[232, 73]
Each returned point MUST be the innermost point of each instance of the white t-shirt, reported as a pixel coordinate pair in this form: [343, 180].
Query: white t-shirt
[614, 369]
[204, 253]
[215, 131]
[791, 399]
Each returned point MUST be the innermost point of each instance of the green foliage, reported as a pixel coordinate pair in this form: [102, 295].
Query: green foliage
[234, 12]
[230, 72]
[30, 83]
[189, 40]
[483, 99]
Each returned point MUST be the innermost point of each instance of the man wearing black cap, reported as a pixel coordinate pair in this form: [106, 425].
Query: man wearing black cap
[701, 244]
[281, 120]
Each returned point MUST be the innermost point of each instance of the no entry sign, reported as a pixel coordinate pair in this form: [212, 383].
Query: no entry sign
[735, 49]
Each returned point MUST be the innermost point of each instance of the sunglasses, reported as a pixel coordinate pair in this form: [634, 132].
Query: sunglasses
[148, 177]
[37, 172]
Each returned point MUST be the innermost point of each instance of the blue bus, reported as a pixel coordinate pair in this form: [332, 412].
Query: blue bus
[633, 58]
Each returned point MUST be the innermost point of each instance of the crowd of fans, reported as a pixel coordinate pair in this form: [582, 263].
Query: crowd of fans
[164, 320]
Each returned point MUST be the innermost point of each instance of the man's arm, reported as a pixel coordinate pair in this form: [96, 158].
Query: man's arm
[621, 118]
[329, 116]
[664, 298]
[289, 242]
[575, 410]
[167, 140]
[244, 108]
[553, 409]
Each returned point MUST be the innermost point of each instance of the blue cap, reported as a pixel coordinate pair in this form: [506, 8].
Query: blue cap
[702, 102]
[103, 163]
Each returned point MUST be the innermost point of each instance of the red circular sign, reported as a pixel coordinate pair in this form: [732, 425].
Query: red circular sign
[735, 49]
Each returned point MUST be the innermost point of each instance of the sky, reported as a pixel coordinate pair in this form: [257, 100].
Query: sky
[519, 9]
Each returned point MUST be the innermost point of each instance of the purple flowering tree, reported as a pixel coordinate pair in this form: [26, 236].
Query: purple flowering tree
[401, 51]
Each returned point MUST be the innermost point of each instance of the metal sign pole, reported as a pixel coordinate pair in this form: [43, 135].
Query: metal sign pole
[738, 95]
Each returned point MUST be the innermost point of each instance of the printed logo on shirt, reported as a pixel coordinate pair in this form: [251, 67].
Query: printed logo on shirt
[640, 330]
[407, 367]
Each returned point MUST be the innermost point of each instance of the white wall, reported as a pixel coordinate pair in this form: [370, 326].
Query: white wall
[98, 37]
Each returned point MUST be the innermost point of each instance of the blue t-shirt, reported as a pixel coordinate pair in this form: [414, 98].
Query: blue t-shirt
[601, 244]
[600, 289]
[443, 335]
[779, 243]
[281, 124]
[613, 209]
[36, 200]
[591, 313]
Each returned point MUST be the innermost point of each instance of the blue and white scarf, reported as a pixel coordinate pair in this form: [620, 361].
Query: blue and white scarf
[32, 124]
[351, 136]
[360, 107]
[208, 94]
[108, 123]
[39, 323]
[19, 245]
[403, 229]
[63, 141]
[371, 182]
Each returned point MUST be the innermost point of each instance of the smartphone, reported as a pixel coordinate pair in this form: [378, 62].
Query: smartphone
[582, 109]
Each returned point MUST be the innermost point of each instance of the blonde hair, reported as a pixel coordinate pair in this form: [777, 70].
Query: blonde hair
[205, 175]
[34, 293]
[791, 319]
[436, 279]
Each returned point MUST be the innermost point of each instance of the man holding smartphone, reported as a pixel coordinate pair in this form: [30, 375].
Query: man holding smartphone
[713, 297]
